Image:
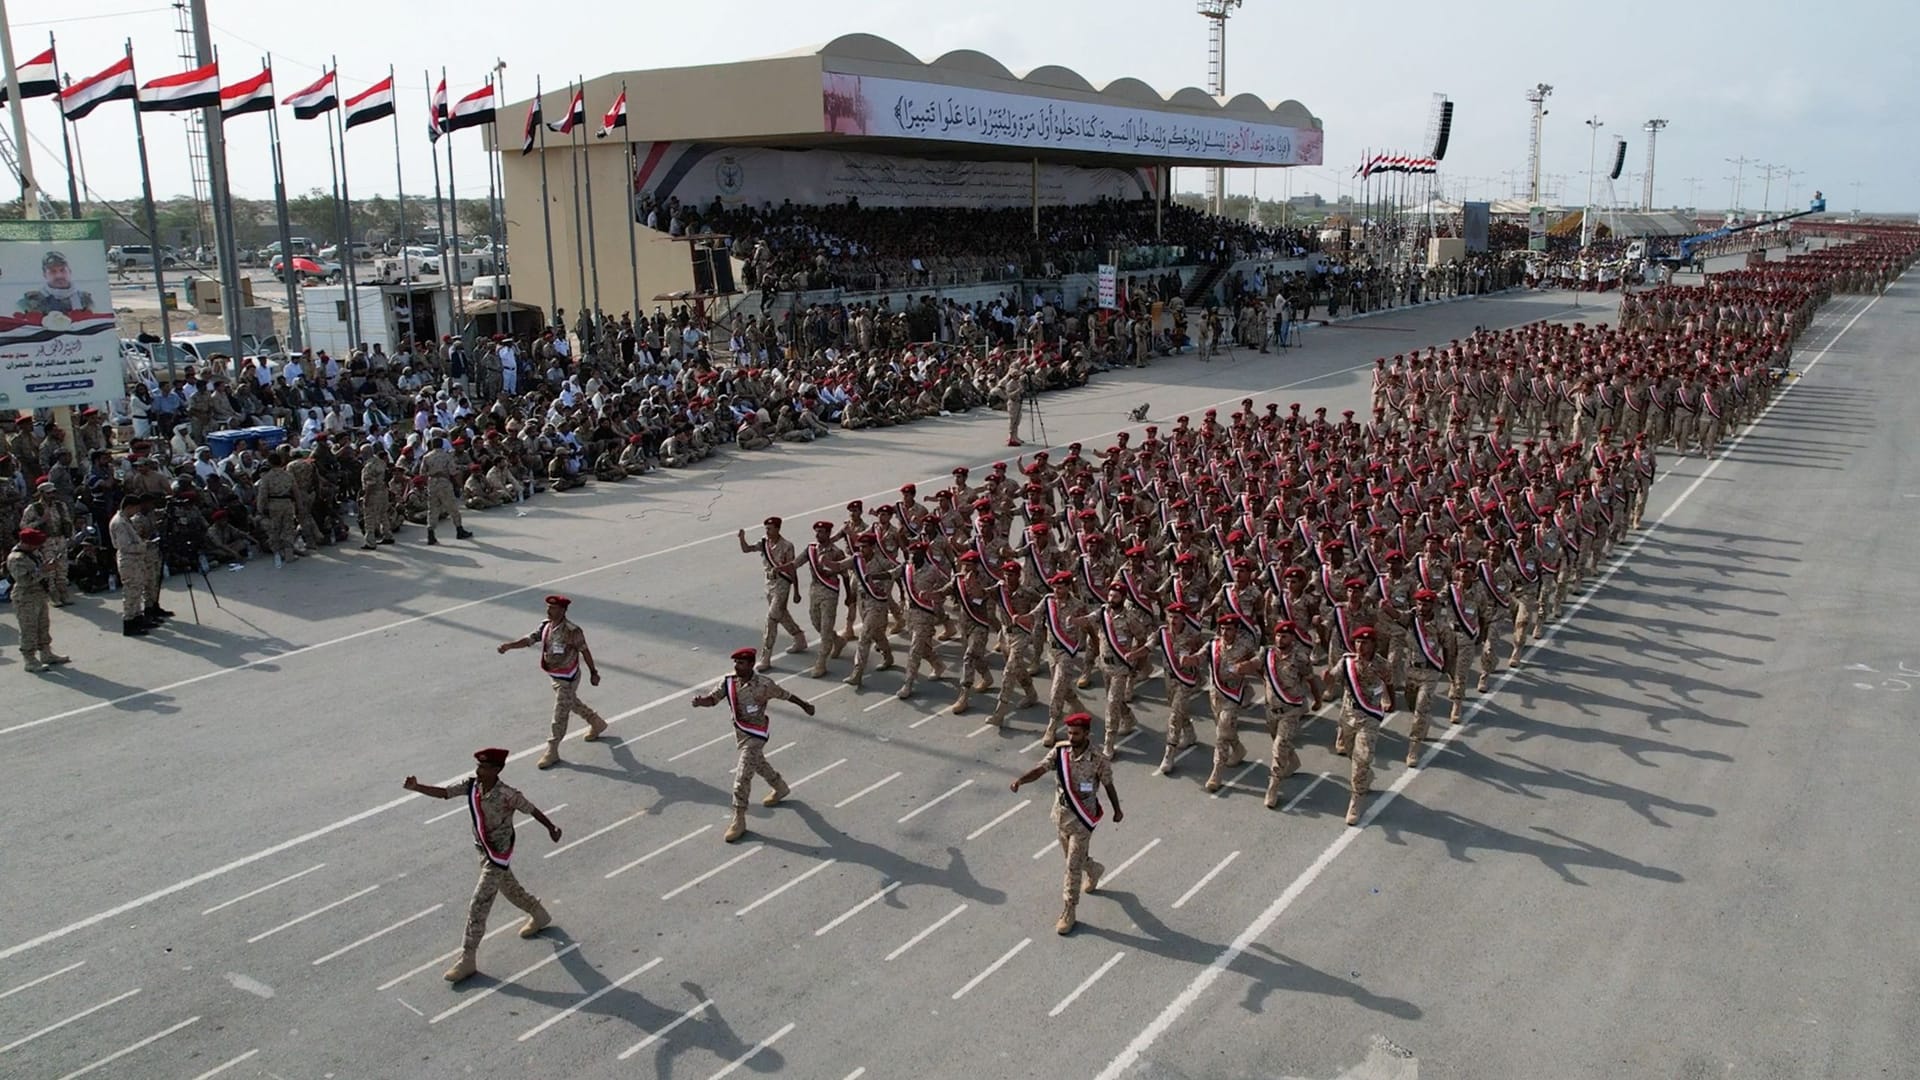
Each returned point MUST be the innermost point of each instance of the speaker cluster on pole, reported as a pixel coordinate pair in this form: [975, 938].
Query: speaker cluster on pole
[1446, 130]
[1619, 158]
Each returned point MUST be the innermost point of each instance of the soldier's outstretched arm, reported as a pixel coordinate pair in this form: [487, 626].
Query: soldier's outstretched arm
[412, 783]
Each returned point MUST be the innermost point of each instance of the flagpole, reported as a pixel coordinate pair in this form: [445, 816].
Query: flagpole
[400, 185]
[450, 264]
[29, 191]
[633, 251]
[66, 139]
[333, 164]
[294, 334]
[546, 204]
[497, 187]
[153, 227]
[439, 207]
[593, 251]
[346, 204]
[579, 243]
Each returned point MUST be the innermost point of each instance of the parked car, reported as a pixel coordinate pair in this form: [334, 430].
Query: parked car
[309, 270]
[361, 252]
[300, 245]
[135, 256]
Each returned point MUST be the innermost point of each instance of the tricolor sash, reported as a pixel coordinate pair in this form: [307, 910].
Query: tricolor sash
[1113, 638]
[1274, 683]
[1424, 567]
[1221, 679]
[1033, 559]
[740, 723]
[914, 597]
[971, 604]
[1430, 650]
[1006, 605]
[1529, 572]
[500, 858]
[1340, 624]
[1463, 611]
[820, 573]
[1056, 628]
[1088, 809]
[1350, 668]
[767, 556]
[866, 584]
[1492, 584]
[1180, 596]
[1230, 593]
[570, 671]
[1143, 602]
[1172, 656]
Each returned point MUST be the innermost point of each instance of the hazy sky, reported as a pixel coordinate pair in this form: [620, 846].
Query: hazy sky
[1824, 89]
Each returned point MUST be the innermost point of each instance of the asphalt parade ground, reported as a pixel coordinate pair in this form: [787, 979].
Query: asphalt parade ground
[1672, 844]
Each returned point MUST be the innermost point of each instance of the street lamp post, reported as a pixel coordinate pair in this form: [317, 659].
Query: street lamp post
[1593, 145]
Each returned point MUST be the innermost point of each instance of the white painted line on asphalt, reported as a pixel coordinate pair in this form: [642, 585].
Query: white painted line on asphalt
[461, 809]
[879, 703]
[979, 731]
[296, 921]
[1052, 845]
[482, 995]
[124, 1051]
[441, 959]
[856, 1074]
[550, 810]
[668, 846]
[601, 831]
[924, 934]
[589, 999]
[817, 772]
[1305, 791]
[377, 934]
[743, 856]
[1035, 744]
[935, 801]
[1239, 776]
[1004, 815]
[1263, 922]
[1204, 878]
[263, 888]
[1122, 744]
[694, 750]
[624, 741]
[834, 689]
[857, 908]
[787, 886]
[751, 1053]
[1067, 1002]
[41, 979]
[1131, 859]
[783, 749]
[990, 969]
[663, 1032]
[868, 790]
[409, 1007]
[225, 1065]
[81, 1015]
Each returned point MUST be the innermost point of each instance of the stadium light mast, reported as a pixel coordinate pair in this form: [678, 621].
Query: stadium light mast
[1216, 12]
[1538, 96]
[1586, 216]
[1653, 128]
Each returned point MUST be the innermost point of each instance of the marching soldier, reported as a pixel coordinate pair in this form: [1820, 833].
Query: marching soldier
[777, 559]
[32, 588]
[973, 592]
[1178, 643]
[1060, 615]
[1125, 644]
[563, 647]
[438, 466]
[1292, 693]
[1015, 599]
[873, 577]
[1366, 697]
[925, 586]
[490, 809]
[1434, 650]
[826, 566]
[1229, 658]
[747, 695]
[1079, 770]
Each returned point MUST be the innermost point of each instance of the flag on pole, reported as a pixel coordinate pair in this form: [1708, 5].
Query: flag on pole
[114, 84]
[474, 110]
[437, 113]
[576, 115]
[196, 89]
[36, 78]
[248, 96]
[531, 127]
[373, 103]
[616, 116]
[316, 100]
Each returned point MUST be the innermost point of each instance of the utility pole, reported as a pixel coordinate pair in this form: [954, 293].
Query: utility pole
[1786, 200]
[1216, 12]
[1538, 97]
[1593, 145]
[1693, 184]
[1766, 191]
[1739, 173]
[1856, 196]
[227, 248]
[1653, 128]
[29, 191]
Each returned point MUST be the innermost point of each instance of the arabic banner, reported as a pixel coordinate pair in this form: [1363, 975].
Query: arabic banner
[57, 339]
[1108, 285]
[898, 109]
[699, 172]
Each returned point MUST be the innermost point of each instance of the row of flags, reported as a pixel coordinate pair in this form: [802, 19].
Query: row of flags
[1397, 163]
[576, 115]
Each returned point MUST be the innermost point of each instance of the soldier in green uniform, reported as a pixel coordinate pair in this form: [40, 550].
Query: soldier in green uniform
[56, 291]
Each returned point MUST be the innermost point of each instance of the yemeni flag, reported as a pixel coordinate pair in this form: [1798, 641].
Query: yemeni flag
[316, 100]
[36, 78]
[196, 89]
[576, 115]
[373, 103]
[616, 116]
[250, 96]
[437, 113]
[531, 128]
[474, 110]
[114, 84]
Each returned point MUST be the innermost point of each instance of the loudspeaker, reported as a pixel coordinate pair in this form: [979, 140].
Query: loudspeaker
[1446, 129]
[1619, 158]
[712, 271]
[722, 272]
[702, 273]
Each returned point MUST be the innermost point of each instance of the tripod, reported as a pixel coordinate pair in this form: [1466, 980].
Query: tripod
[196, 564]
[1036, 423]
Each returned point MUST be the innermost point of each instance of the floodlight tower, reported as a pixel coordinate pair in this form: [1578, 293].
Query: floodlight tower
[1216, 12]
[1646, 195]
[1538, 96]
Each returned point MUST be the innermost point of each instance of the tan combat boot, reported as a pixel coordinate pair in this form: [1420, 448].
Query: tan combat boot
[996, 718]
[777, 795]
[961, 703]
[1066, 924]
[595, 730]
[1413, 752]
[1273, 791]
[463, 968]
[1166, 761]
[799, 646]
[54, 659]
[738, 828]
[549, 759]
[537, 921]
[1354, 806]
[906, 688]
[34, 663]
[1094, 872]
[1453, 715]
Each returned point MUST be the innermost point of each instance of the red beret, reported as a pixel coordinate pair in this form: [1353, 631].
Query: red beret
[772, 523]
[823, 525]
[1295, 571]
[1180, 607]
[1060, 577]
[493, 755]
[1424, 594]
[556, 598]
[32, 537]
[1285, 626]
[1230, 619]
[1038, 528]
[904, 488]
[1137, 549]
[867, 538]
[745, 654]
[1364, 633]
[1185, 558]
[1354, 582]
[970, 557]
[1079, 719]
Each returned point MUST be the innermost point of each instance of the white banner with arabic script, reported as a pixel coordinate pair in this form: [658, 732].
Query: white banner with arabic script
[57, 339]
[899, 109]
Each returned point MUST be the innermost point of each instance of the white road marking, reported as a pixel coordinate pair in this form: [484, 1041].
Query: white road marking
[1263, 922]
[990, 969]
[751, 1053]
[1131, 859]
[81, 1015]
[1122, 744]
[377, 934]
[754, 850]
[444, 815]
[856, 1074]
[694, 750]
[924, 934]
[663, 1032]
[1034, 745]
[817, 772]
[550, 810]
[41, 979]
[1053, 845]
[787, 886]
[669, 724]
[297, 920]
[1204, 878]
[981, 730]
[124, 1051]
[1239, 776]
[404, 1003]
[879, 703]
[601, 831]
[1068, 1001]
[225, 1065]
[482, 995]
[935, 801]
[1004, 815]
[589, 999]
[834, 689]
[263, 888]
[668, 846]
[784, 748]
[1304, 792]
[857, 908]
[868, 790]
[441, 959]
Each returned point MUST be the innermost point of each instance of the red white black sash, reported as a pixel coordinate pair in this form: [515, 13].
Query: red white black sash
[1006, 605]
[500, 857]
[1113, 638]
[1279, 689]
[821, 574]
[1180, 596]
[1430, 650]
[1712, 405]
[1424, 565]
[1230, 690]
[1088, 810]
[914, 597]
[1340, 625]
[1140, 600]
[866, 584]
[971, 604]
[1056, 628]
[750, 728]
[1524, 566]
[1463, 611]
[1350, 668]
[1493, 584]
[1171, 653]
[571, 671]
